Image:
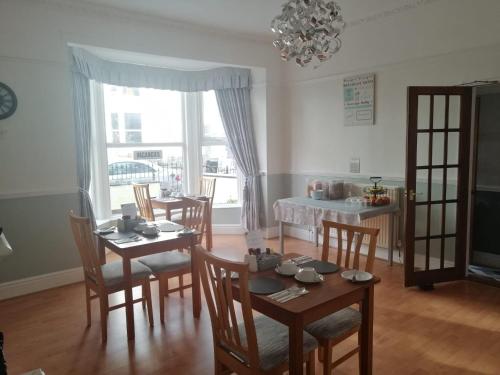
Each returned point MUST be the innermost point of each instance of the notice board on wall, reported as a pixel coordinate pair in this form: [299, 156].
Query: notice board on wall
[359, 100]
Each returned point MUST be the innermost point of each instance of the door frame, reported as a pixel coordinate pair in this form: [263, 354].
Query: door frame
[428, 277]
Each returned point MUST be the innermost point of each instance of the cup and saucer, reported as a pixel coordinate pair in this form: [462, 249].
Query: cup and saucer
[150, 231]
[308, 275]
[287, 268]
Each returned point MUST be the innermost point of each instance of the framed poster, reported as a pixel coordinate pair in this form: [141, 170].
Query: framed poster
[359, 100]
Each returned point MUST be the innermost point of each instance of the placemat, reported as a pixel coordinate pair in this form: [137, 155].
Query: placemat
[321, 267]
[265, 285]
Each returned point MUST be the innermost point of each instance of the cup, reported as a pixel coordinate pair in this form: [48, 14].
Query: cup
[150, 230]
[317, 194]
[141, 226]
[287, 267]
[307, 274]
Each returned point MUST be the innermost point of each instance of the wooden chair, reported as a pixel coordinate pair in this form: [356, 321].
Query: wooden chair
[249, 345]
[177, 263]
[143, 200]
[105, 279]
[334, 328]
[207, 189]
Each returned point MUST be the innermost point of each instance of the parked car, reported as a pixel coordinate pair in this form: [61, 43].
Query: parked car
[127, 172]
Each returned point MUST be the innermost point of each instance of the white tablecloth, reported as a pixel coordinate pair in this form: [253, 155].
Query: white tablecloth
[308, 211]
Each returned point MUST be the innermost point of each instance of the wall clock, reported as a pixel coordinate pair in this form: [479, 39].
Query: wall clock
[8, 101]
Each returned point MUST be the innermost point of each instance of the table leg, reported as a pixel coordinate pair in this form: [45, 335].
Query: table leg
[195, 276]
[391, 239]
[282, 239]
[101, 249]
[366, 333]
[129, 305]
[296, 337]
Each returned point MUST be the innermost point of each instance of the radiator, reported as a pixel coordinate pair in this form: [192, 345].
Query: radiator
[382, 222]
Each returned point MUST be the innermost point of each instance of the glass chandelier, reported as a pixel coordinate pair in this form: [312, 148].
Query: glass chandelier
[307, 29]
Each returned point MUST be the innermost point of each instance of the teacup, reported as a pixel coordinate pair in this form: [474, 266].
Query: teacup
[150, 230]
[307, 274]
[287, 267]
[141, 226]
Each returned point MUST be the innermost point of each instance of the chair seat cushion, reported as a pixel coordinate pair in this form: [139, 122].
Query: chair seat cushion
[336, 324]
[167, 261]
[272, 340]
[112, 273]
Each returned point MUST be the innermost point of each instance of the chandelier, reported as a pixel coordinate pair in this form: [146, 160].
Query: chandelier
[307, 29]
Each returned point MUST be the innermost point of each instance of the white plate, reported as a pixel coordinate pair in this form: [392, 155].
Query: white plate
[361, 276]
[277, 270]
[319, 279]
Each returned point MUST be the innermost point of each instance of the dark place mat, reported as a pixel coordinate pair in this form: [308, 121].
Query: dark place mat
[321, 267]
[265, 285]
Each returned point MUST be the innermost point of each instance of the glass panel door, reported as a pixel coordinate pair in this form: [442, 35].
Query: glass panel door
[437, 173]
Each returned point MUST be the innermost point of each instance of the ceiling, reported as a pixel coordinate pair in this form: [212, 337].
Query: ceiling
[251, 17]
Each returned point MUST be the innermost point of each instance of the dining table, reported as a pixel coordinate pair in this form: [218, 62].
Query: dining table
[170, 204]
[164, 241]
[331, 295]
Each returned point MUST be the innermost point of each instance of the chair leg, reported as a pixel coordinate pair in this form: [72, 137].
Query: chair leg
[165, 288]
[143, 295]
[311, 364]
[320, 353]
[161, 292]
[181, 284]
[327, 359]
[146, 287]
[104, 316]
[88, 303]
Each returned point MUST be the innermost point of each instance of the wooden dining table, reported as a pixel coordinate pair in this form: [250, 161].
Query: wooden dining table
[333, 294]
[172, 203]
[165, 241]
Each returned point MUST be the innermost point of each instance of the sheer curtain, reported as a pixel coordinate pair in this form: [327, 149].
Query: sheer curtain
[235, 109]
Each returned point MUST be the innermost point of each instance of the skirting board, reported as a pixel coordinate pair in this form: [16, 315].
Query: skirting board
[227, 229]
[37, 283]
[307, 235]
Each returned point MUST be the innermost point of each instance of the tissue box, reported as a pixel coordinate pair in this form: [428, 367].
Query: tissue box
[268, 261]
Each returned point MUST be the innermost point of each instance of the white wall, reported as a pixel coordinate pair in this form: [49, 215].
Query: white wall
[439, 43]
[37, 143]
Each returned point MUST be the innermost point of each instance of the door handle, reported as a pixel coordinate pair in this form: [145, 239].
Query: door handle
[410, 194]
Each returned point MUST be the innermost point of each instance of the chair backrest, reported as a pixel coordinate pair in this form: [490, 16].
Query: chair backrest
[207, 187]
[85, 242]
[194, 214]
[143, 200]
[223, 315]
[353, 234]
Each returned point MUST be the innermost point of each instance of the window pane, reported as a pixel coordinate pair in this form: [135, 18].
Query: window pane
[133, 137]
[219, 162]
[133, 121]
[156, 113]
[212, 123]
[126, 167]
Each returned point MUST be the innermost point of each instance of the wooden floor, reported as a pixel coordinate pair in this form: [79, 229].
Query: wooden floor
[454, 329]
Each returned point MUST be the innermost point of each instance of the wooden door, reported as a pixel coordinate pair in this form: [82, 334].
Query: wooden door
[437, 173]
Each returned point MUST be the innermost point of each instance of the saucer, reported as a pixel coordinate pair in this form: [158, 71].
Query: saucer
[361, 276]
[319, 279]
[291, 273]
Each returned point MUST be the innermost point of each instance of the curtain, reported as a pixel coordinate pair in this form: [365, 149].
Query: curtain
[134, 75]
[235, 110]
[81, 101]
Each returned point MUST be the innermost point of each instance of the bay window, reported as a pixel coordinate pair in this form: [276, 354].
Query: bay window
[165, 138]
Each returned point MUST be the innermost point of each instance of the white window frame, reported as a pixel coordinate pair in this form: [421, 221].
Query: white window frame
[193, 140]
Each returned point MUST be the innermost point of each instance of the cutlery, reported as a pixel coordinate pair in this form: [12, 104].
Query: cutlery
[283, 293]
[294, 294]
